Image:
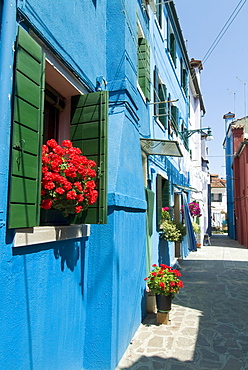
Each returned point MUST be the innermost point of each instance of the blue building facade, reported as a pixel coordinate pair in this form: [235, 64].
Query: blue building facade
[228, 146]
[73, 296]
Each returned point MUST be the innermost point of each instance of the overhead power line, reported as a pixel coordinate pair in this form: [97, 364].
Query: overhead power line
[224, 29]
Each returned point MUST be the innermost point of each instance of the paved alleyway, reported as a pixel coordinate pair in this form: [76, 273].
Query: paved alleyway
[208, 326]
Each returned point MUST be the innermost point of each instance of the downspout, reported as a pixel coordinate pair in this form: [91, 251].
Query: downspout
[8, 35]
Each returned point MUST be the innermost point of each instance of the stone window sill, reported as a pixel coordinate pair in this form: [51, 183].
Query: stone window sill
[46, 234]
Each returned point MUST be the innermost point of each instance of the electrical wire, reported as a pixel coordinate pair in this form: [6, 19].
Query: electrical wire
[223, 31]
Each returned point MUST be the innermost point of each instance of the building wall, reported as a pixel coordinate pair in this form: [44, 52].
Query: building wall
[240, 171]
[75, 304]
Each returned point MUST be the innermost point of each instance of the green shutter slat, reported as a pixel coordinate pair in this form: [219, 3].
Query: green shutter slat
[22, 215]
[28, 69]
[30, 145]
[22, 164]
[27, 89]
[24, 192]
[159, 199]
[27, 43]
[25, 113]
[89, 123]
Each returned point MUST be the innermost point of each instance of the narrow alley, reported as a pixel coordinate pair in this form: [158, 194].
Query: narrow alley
[208, 327]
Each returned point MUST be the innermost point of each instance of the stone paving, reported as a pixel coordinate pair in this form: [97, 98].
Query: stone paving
[208, 327]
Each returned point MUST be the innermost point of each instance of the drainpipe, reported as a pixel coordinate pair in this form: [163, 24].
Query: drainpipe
[8, 35]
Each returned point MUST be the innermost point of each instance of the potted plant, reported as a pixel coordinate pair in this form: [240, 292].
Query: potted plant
[67, 179]
[197, 231]
[170, 229]
[164, 282]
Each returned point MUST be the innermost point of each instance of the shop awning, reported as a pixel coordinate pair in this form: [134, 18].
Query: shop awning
[161, 147]
[188, 188]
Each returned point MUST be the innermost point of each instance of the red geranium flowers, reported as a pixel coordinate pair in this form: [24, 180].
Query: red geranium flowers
[67, 183]
[164, 280]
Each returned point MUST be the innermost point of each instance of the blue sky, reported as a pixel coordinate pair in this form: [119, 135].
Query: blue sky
[201, 22]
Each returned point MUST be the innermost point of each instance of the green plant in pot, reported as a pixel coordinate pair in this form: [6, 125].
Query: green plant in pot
[197, 231]
[164, 282]
[171, 230]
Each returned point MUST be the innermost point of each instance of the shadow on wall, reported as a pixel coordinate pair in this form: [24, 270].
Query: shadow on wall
[164, 256]
[67, 251]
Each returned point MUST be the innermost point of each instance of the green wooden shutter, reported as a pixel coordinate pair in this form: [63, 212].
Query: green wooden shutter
[174, 117]
[184, 80]
[162, 195]
[163, 117]
[165, 193]
[144, 67]
[24, 195]
[89, 123]
[156, 93]
[159, 199]
[173, 48]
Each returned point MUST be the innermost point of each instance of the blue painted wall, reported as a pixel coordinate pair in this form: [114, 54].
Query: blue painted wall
[76, 304]
[230, 187]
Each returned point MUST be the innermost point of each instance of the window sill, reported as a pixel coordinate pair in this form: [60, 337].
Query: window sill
[46, 234]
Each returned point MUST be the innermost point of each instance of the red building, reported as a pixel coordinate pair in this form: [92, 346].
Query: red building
[240, 172]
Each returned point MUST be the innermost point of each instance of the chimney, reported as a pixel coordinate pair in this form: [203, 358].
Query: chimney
[229, 118]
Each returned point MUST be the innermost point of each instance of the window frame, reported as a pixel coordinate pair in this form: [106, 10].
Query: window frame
[79, 89]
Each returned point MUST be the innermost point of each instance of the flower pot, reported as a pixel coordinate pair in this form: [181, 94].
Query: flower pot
[163, 303]
[150, 303]
[53, 217]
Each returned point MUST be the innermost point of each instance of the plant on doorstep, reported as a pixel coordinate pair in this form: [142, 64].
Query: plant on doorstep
[171, 230]
[164, 280]
[67, 178]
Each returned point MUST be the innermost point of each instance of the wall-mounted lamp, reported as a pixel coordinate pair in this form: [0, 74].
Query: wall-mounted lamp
[187, 133]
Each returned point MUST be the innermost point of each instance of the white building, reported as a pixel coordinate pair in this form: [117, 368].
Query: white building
[218, 202]
[200, 177]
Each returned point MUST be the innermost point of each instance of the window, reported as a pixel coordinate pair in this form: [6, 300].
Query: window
[216, 197]
[163, 196]
[183, 77]
[159, 12]
[82, 118]
[160, 97]
[144, 67]
[174, 117]
[172, 47]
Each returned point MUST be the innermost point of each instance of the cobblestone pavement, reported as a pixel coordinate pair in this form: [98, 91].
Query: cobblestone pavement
[208, 327]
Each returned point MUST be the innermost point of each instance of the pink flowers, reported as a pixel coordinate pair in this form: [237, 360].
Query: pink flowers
[67, 178]
[194, 209]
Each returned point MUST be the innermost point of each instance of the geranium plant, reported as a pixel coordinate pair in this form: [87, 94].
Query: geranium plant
[164, 280]
[194, 209]
[67, 178]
